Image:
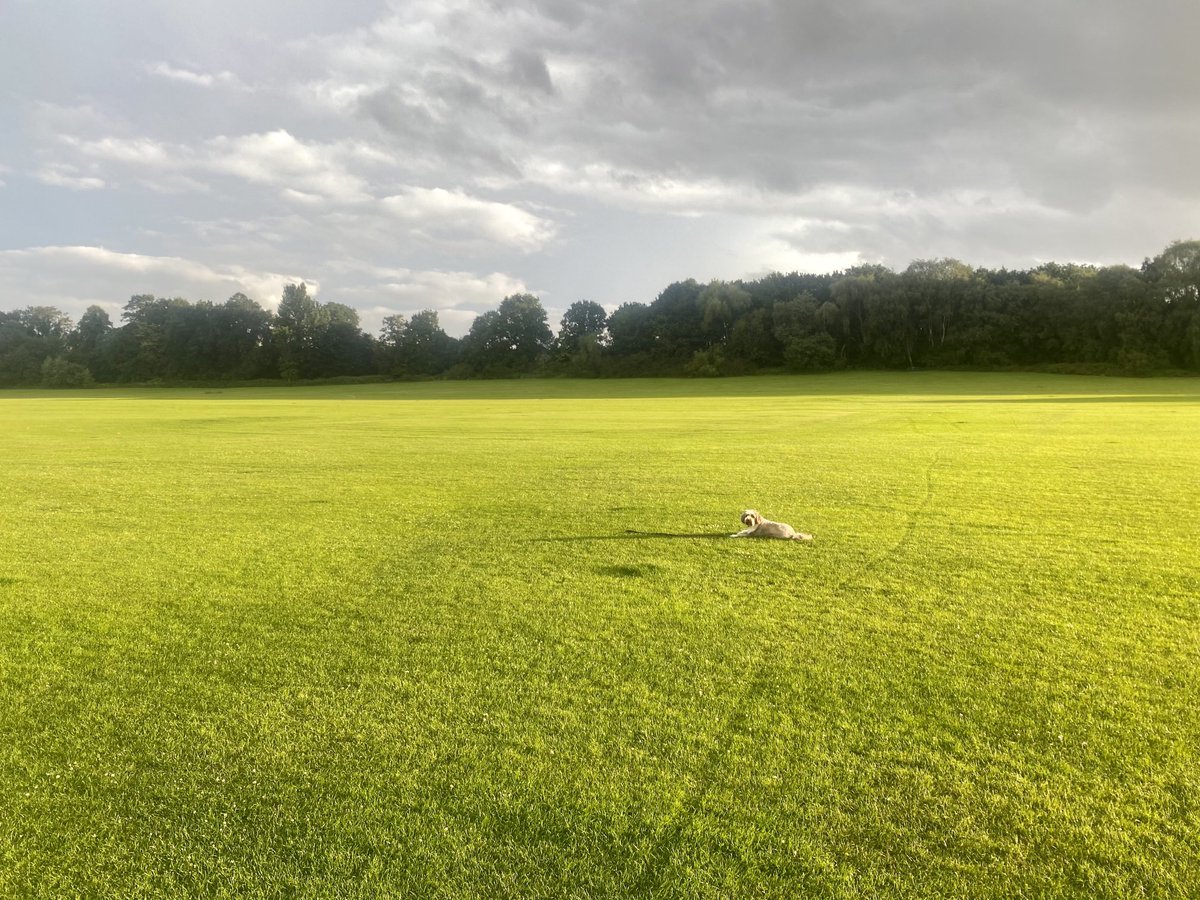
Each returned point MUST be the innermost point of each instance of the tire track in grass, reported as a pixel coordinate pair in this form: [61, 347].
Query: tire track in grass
[651, 878]
[909, 527]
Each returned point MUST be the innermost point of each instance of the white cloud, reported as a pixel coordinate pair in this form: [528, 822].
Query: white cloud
[642, 190]
[50, 121]
[199, 79]
[67, 176]
[334, 95]
[279, 159]
[457, 296]
[276, 159]
[351, 181]
[74, 277]
[760, 254]
[440, 213]
[141, 152]
[418, 289]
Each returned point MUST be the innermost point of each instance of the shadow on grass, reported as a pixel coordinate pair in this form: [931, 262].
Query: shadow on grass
[995, 386]
[1095, 398]
[630, 535]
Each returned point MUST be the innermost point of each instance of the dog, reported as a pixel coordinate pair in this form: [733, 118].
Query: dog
[757, 526]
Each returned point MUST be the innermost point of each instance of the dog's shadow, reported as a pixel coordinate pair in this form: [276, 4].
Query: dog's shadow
[631, 535]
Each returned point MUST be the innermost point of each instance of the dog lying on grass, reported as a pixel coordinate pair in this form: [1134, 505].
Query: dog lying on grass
[757, 526]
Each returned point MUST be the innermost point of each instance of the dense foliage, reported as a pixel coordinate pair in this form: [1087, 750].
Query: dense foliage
[935, 314]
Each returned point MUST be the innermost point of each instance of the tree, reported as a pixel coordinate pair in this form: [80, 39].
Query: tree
[243, 338]
[523, 322]
[297, 310]
[933, 290]
[94, 326]
[1177, 270]
[937, 312]
[806, 345]
[45, 322]
[27, 338]
[294, 331]
[510, 338]
[484, 347]
[340, 347]
[1175, 277]
[677, 320]
[393, 330]
[945, 269]
[721, 304]
[582, 318]
[425, 348]
[391, 339]
[91, 343]
[752, 339]
[150, 324]
[852, 296]
[631, 330]
[316, 340]
[57, 372]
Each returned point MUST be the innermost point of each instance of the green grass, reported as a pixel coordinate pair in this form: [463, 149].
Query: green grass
[400, 640]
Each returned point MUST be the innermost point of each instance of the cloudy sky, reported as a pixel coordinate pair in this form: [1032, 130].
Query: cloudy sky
[445, 153]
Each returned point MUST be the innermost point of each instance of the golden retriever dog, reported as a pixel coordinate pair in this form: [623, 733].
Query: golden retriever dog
[758, 527]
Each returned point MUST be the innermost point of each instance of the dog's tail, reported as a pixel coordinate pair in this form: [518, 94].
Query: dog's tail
[801, 536]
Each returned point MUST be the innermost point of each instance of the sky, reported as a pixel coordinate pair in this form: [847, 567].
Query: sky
[443, 154]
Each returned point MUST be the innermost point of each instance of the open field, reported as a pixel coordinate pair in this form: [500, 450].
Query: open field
[399, 639]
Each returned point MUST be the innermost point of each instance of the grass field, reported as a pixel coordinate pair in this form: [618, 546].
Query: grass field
[408, 640]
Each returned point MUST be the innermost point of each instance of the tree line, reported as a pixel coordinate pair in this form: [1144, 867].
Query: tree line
[935, 314]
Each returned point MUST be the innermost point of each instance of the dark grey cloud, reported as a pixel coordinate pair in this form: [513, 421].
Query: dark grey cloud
[527, 69]
[784, 96]
[893, 95]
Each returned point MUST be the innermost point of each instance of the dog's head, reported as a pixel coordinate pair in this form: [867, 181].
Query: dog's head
[751, 518]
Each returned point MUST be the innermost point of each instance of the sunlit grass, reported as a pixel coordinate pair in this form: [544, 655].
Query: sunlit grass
[406, 639]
